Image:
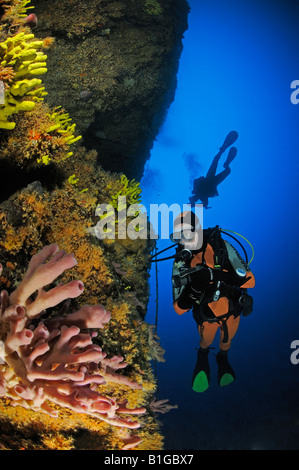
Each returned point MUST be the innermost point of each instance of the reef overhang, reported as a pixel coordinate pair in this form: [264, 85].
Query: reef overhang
[114, 68]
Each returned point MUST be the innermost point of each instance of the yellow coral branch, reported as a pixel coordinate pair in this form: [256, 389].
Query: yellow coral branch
[61, 124]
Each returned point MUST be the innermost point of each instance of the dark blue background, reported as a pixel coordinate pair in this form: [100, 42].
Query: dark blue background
[237, 65]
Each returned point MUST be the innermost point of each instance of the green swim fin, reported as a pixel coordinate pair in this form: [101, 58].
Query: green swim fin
[201, 374]
[200, 382]
[226, 374]
[226, 379]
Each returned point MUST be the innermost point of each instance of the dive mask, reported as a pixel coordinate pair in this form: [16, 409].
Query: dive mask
[183, 235]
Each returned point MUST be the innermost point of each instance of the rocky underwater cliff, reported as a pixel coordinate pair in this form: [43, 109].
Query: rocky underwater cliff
[85, 89]
[113, 67]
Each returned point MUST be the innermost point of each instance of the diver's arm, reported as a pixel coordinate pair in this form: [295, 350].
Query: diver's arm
[183, 291]
[183, 303]
[199, 280]
[192, 288]
[177, 291]
[232, 278]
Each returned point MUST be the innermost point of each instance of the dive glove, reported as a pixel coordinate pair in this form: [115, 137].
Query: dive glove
[246, 302]
[202, 278]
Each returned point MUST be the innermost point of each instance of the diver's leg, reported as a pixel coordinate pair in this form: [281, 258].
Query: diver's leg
[213, 168]
[229, 140]
[207, 332]
[231, 156]
[221, 176]
[232, 328]
[201, 373]
[226, 374]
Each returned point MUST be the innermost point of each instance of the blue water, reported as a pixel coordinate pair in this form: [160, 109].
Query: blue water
[238, 62]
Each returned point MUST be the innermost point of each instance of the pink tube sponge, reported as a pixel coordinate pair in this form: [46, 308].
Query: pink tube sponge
[55, 360]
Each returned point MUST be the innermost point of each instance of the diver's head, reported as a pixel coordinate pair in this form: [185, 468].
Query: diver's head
[187, 231]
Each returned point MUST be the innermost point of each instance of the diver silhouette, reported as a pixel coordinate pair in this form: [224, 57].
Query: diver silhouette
[206, 186]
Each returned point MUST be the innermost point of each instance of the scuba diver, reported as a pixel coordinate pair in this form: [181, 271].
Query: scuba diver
[206, 186]
[211, 279]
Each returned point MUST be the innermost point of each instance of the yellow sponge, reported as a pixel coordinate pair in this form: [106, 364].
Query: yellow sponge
[20, 55]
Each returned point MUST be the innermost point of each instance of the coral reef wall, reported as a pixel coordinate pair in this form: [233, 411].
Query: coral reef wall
[113, 67]
[50, 188]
